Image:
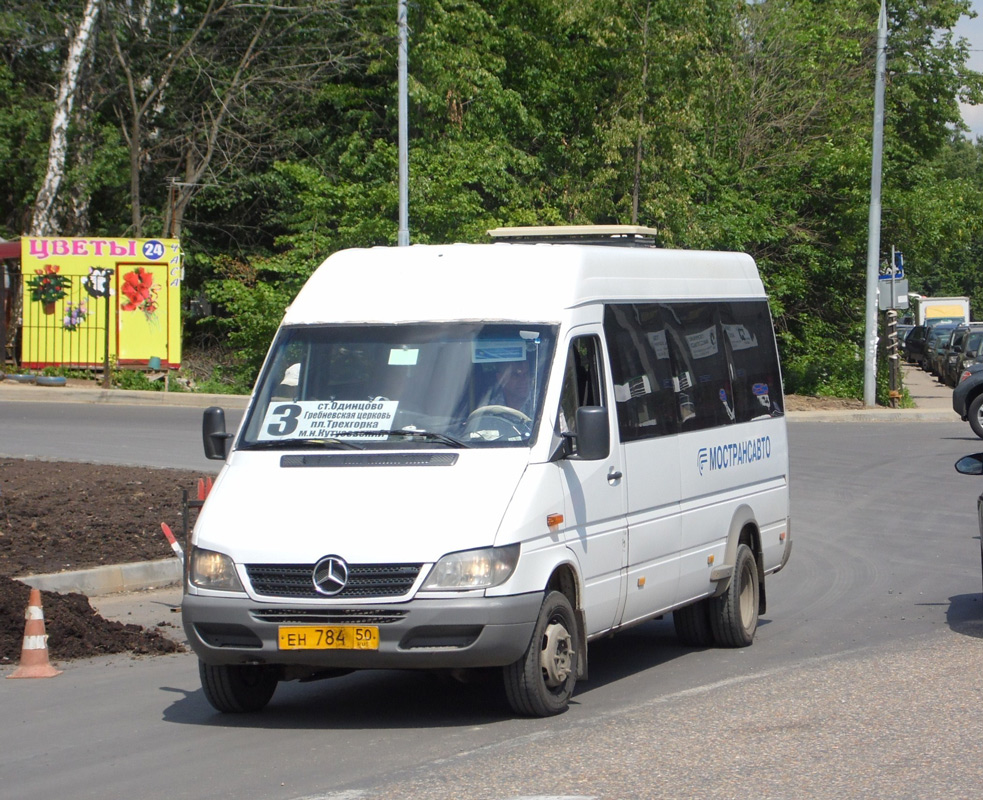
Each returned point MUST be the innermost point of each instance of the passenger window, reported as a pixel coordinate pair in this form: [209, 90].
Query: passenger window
[642, 371]
[689, 366]
[749, 337]
[701, 373]
[582, 382]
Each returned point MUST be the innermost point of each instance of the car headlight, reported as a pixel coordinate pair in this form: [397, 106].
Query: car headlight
[211, 570]
[473, 569]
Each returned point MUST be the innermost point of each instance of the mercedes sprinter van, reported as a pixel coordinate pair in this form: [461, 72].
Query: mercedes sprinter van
[489, 455]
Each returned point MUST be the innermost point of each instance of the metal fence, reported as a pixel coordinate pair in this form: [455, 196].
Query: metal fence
[68, 332]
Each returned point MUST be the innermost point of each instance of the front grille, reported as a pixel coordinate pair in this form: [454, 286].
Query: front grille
[327, 616]
[364, 580]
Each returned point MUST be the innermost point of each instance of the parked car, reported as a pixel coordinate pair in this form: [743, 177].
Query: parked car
[973, 465]
[967, 397]
[903, 331]
[964, 347]
[938, 335]
[941, 357]
[914, 344]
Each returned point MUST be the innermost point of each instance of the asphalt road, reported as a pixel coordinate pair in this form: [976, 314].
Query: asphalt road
[863, 681]
[135, 435]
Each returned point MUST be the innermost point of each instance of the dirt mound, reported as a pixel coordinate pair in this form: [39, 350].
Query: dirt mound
[57, 516]
[74, 629]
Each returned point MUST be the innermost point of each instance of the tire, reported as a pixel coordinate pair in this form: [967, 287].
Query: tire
[734, 615]
[692, 624]
[975, 415]
[237, 688]
[540, 684]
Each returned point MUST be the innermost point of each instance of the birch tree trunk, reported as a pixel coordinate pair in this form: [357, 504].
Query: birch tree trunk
[44, 221]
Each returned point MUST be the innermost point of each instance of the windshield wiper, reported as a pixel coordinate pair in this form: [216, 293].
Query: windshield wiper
[430, 435]
[325, 443]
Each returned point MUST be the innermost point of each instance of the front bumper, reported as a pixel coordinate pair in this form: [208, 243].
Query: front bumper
[444, 633]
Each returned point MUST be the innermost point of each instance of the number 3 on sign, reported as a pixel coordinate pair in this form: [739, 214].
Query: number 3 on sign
[289, 414]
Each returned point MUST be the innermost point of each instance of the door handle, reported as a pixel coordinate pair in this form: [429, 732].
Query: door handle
[614, 474]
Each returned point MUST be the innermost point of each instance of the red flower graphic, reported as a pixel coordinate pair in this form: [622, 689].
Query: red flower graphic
[140, 291]
[47, 286]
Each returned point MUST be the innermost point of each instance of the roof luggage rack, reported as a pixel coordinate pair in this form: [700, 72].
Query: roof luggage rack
[617, 235]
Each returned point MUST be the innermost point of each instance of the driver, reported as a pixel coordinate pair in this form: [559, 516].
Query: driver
[513, 388]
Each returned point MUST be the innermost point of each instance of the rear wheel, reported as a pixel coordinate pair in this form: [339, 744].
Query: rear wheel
[692, 624]
[975, 415]
[734, 615]
[541, 683]
[237, 688]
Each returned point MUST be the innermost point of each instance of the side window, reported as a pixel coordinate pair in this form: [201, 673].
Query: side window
[702, 375]
[642, 371]
[690, 366]
[582, 381]
[750, 340]
[973, 344]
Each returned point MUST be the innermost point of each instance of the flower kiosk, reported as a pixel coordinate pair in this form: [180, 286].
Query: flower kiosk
[89, 302]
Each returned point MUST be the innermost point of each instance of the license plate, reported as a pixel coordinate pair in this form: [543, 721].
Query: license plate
[329, 637]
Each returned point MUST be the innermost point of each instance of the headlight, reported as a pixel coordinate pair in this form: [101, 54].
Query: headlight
[473, 569]
[211, 570]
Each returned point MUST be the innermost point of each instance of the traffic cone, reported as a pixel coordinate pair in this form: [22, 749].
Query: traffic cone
[34, 655]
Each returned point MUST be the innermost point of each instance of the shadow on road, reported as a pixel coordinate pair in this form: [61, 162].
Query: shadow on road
[408, 699]
[965, 615]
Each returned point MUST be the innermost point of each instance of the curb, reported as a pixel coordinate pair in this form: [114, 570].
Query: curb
[10, 390]
[876, 415]
[111, 579]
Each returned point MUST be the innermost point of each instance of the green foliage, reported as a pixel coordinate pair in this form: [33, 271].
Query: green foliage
[134, 380]
[740, 126]
[824, 361]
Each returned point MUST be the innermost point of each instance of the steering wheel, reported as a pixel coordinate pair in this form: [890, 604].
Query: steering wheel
[495, 422]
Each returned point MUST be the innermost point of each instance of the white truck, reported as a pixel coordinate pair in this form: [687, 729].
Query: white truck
[935, 310]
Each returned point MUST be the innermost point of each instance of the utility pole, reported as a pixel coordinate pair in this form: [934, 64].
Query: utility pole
[874, 219]
[403, 234]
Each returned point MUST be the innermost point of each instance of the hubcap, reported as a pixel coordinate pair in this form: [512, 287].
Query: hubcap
[557, 655]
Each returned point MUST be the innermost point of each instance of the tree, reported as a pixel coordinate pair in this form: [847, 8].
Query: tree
[210, 95]
[44, 221]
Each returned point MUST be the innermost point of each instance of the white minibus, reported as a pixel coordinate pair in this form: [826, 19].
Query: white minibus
[475, 456]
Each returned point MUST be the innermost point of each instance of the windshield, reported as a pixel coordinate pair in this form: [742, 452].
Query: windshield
[462, 384]
[938, 334]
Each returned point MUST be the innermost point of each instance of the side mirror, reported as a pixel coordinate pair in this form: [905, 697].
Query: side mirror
[970, 465]
[593, 433]
[213, 434]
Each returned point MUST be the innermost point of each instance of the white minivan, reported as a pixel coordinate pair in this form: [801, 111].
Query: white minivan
[487, 456]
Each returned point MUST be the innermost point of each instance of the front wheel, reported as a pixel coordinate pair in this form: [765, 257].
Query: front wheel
[734, 615]
[540, 684]
[975, 415]
[237, 688]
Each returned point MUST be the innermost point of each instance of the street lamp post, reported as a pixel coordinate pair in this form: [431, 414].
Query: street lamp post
[403, 234]
[874, 219]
